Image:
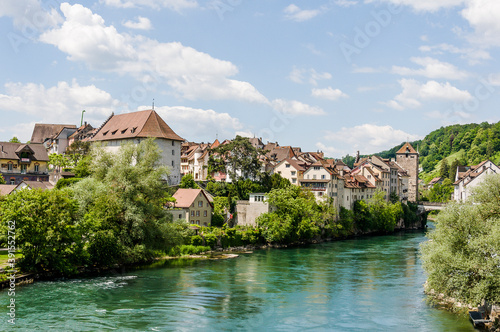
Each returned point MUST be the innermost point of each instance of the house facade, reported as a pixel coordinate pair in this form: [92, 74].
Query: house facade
[466, 180]
[55, 137]
[291, 169]
[23, 162]
[193, 205]
[247, 212]
[407, 157]
[132, 128]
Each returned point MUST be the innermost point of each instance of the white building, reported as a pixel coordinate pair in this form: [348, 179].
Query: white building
[133, 127]
[468, 178]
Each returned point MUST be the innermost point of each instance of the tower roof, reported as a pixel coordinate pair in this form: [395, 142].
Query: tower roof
[407, 148]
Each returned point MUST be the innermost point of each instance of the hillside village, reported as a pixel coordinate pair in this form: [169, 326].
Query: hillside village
[27, 165]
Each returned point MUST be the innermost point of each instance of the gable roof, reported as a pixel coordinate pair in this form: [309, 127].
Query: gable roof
[9, 151]
[185, 197]
[6, 189]
[36, 185]
[42, 131]
[136, 124]
[299, 166]
[406, 148]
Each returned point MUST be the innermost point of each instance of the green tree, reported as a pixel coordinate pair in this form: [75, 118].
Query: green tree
[444, 169]
[187, 182]
[2, 180]
[295, 216]
[461, 258]
[14, 140]
[239, 159]
[47, 231]
[126, 194]
[441, 192]
[453, 169]
[77, 150]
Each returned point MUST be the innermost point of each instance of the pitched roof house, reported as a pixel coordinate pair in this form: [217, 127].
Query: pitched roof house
[20, 162]
[471, 178]
[193, 205]
[133, 127]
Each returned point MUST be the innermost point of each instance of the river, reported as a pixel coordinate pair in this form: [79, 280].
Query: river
[364, 284]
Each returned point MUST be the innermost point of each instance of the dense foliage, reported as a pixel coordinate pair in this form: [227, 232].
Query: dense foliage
[462, 256]
[116, 215]
[239, 159]
[187, 182]
[460, 144]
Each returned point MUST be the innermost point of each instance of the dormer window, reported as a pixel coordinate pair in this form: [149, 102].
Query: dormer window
[124, 130]
[114, 132]
[133, 130]
[105, 133]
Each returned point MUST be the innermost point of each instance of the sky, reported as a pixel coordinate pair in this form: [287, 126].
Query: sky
[336, 76]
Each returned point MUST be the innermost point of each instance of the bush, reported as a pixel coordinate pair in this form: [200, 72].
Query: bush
[192, 250]
[211, 240]
[63, 183]
[217, 220]
[196, 240]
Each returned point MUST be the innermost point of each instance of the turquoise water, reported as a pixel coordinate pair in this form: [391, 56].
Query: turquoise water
[366, 284]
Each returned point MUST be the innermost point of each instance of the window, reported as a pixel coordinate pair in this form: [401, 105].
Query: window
[287, 165]
[173, 152]
[208, 204]
[192, 213]
[180, 216]
[205, 213]
[9, 166]
[293, 173]
[37, 168]
[200, 204]
[323, 177]
[316, 168]
[294, 180]
[173, 143]
[173, 163]
[320, 194]
[197, 213]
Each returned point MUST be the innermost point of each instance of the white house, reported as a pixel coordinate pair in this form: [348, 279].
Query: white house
[133, 127]
[466, 179]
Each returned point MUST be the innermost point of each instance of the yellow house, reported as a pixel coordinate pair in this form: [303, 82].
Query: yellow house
[193, 205]
[23, 162]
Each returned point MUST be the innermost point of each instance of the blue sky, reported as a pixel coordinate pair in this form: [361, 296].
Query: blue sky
[336, 76]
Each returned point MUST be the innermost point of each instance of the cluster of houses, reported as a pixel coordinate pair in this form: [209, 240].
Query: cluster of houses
[27, 165]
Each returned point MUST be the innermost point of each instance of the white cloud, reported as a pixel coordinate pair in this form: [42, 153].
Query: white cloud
[143, 23]
[62, 103]
[30, 14]
[299, 75]
[484, 17]
[366, 138]
[190, 73]
[328, 93]
[365, 70]
[472, 55]
[423, 5]
[294, 107]
[345, 3]
[195, 124]
[432, 68]
[294, 13]
[414, 93]
[176, 5]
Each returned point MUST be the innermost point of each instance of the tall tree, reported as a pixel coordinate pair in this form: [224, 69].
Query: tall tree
[444, 169]
[461, 257]
[239, 159]
[14, 140]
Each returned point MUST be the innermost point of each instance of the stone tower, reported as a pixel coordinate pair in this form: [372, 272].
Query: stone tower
[407, 158]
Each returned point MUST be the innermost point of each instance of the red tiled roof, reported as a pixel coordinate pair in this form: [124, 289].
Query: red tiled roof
[406, 148]
[136, 124]
[185, 197]
[6, 189]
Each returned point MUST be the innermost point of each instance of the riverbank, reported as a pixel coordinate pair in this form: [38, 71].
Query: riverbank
[217, 253]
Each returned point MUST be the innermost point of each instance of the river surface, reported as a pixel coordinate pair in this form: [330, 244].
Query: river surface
[365, 284]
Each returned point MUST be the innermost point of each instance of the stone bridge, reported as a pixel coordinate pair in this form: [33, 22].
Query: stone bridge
[430, 206]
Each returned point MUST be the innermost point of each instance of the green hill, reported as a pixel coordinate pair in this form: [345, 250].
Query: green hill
[447, 147]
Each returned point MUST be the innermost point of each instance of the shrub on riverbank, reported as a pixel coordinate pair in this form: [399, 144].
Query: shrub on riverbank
[462, 257]
[114, 216]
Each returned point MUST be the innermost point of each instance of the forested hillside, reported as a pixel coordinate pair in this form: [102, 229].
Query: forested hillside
[459, 144]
